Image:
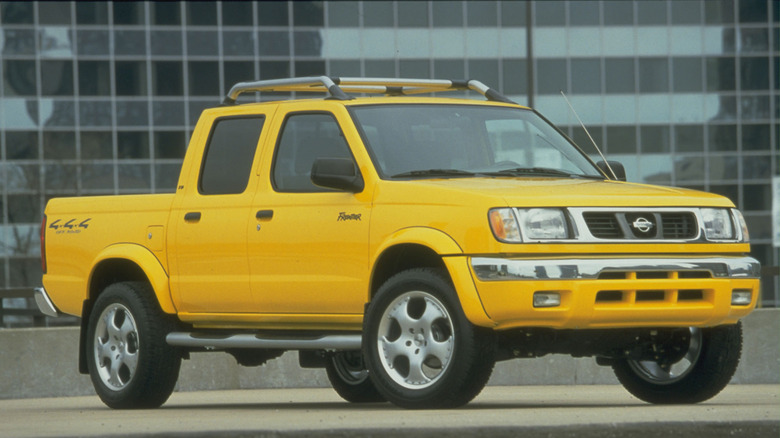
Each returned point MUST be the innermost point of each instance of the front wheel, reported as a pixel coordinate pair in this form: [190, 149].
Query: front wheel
[349, 378]
[420, 350]
[706, 367]
[129, 362]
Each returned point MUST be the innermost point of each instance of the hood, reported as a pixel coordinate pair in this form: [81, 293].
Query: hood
[550, 192]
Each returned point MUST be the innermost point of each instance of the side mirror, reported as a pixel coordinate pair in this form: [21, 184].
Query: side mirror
[337, 173]
[617, 167]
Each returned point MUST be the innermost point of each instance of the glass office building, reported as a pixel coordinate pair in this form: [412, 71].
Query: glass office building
[100, 98]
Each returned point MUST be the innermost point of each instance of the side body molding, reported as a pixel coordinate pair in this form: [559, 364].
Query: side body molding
[147, 262]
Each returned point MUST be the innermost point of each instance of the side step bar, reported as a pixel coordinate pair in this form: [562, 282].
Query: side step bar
[212, 341]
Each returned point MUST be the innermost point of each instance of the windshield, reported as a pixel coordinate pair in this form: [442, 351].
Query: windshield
[423, 140]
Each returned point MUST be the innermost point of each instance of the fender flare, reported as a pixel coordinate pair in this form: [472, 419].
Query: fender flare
[437, 240]
[147, 262]
[454, 260]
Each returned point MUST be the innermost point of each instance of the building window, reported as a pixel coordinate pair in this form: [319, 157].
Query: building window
[204, 78]
[168, 79]
[273, 13]
[94, 78]
[202, 13]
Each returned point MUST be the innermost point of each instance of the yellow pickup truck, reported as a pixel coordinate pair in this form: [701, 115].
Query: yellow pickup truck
[405, 243]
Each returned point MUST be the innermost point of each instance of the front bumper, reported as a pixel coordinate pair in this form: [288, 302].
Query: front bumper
[616, 292]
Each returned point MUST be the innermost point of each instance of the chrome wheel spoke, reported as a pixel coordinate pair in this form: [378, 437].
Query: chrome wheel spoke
[130, 360]
[440, 350]
[111, 329]
[126, 329]
[401, 314]
[431, 314]
[394, 349]
[103, 351]
[416, 373]
[113, 373]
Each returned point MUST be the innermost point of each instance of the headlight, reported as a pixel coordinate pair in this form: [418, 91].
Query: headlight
[741, 224]
[717, 223]
[543, 223]
[504, 225]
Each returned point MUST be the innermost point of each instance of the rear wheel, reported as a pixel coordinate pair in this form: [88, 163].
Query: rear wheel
[129, 362]
[349, 377]
[420, 350]
[706, 366]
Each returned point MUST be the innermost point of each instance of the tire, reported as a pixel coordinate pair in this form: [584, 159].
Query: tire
[420, 350]
[707, 367]
[349, 377]
[129, 362]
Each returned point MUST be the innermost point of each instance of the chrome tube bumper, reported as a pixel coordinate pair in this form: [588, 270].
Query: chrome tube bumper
[504, 269]
[44, 303]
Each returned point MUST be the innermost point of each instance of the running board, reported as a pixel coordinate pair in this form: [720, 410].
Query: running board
[212, 341]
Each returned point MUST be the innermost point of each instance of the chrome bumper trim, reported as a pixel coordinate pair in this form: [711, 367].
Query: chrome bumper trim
[44, 303]
[502, 269]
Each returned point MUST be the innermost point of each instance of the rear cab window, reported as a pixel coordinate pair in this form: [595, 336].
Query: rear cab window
[229, 154]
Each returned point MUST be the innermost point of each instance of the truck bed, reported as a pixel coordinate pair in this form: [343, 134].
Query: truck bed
[84, 228]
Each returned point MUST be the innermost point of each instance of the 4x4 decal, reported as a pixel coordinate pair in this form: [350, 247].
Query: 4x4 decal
[71, 226]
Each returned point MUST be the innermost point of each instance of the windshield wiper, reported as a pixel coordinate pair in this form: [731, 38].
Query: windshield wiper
[543, 171]
[434, 173]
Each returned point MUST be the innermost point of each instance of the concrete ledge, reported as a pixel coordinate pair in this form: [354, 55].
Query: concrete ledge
[38, 363]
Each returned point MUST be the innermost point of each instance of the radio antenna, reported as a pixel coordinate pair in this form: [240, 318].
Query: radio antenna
[614, 175]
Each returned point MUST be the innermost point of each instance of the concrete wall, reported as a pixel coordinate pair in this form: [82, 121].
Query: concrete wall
[44, 363]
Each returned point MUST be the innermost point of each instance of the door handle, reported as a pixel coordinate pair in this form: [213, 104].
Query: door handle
[265, 215]
[193, 216]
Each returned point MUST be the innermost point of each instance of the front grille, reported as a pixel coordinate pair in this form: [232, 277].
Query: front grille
[641, 225]
[603, 225]
[679, 225]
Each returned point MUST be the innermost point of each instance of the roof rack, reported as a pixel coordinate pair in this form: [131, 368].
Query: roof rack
[339, 87]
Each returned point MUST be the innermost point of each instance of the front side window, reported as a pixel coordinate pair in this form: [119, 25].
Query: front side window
[305, 138]
[230, 152]
[425, 140]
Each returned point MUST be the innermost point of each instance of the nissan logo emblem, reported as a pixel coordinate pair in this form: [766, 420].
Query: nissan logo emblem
[642, 225]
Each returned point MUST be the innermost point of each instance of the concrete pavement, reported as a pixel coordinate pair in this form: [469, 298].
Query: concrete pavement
[594, 411]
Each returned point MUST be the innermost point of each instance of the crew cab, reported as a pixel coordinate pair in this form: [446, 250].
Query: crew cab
[405, 243]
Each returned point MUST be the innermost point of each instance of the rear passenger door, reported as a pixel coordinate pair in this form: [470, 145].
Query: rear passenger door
[212, 217]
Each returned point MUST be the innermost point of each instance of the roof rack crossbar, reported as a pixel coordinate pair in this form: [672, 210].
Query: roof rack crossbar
[339, 87]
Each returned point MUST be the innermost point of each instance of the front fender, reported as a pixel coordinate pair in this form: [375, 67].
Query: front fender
[457, 266]
[147, 262]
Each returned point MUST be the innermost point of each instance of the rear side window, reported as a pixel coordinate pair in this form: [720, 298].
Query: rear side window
[230, 152]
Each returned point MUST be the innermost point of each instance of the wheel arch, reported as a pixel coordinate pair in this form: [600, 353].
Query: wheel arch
[416, 247]
[117, 263]
[424, 247]
[130, 262]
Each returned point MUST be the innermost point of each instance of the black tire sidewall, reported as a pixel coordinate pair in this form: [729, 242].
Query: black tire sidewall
[716, 365]
[353, 392]
[456, 386]
[158, 364]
